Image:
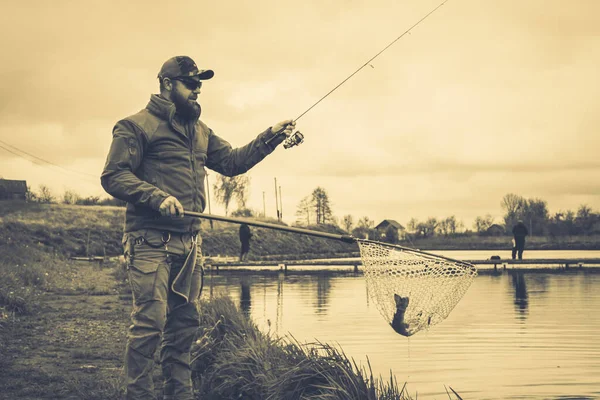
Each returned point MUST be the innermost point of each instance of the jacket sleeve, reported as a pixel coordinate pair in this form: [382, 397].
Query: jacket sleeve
[124, 157]
[224, 159]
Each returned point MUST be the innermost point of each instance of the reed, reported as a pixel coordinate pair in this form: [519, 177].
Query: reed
[233, 359]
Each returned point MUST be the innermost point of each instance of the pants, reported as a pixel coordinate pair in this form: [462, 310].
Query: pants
[245, 249]
[161, 316]
[519, 247]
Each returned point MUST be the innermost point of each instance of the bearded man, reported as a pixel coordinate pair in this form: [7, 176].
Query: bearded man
[156, 163]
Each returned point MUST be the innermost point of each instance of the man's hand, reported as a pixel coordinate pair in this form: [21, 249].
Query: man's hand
[171, 207]
[286, 127]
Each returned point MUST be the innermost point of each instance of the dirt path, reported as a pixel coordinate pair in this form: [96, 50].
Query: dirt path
[72, 347]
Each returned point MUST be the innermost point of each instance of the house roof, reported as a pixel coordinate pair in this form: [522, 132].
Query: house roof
[387, 222]
[495, 226]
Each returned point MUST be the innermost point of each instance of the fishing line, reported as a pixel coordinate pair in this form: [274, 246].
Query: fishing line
[372, 58]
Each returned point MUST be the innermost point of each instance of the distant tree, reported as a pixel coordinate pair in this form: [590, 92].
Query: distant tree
[412, 225]
[427, 228]
[89, 201]
[45, 195]
[226, 188]
[364, 228]
[449, 226]
[514, 206]
[561, 223]
[242, 189]
[535, 215]
[243, 212]
[70, 197]
[365, 222]
[322, 206]
[482, 224]
[347, 222]
[585, 219]
[30, 195]
[303, 211]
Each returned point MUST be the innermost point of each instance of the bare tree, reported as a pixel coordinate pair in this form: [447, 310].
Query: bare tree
[70, 197]
[365, 222]
[584, 218]
[303, 211]
[482, 224]
[412, 225]
[514, 205]
[30, 195]
[45, 195]
[320, 201]
[449, 226]
[347, 222]
[226, 188]
[241, 190]
[364, 228]
[427, 228]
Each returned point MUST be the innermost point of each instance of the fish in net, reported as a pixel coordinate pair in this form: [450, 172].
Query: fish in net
[413, 290]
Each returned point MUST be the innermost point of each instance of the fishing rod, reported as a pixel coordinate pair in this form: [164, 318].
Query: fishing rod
[297, 137]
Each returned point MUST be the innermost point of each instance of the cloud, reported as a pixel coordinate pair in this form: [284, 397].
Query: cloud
[481, 99]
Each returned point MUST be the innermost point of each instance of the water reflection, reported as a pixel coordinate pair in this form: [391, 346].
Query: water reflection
[322, 298]
[279, 314]
[521, 296]
[245, 300]
[506, 325]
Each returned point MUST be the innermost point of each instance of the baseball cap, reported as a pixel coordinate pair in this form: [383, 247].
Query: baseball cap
[183, 66]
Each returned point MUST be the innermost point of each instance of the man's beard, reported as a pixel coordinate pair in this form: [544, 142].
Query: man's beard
[189, 110]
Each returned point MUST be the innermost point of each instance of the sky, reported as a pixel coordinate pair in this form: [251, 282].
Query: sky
[481, 99]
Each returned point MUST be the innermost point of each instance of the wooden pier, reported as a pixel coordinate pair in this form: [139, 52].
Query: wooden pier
[353, 264]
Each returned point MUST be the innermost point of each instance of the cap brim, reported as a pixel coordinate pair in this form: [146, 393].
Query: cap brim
[205, 74]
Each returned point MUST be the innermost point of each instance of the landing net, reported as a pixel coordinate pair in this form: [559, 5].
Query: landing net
[433, 284]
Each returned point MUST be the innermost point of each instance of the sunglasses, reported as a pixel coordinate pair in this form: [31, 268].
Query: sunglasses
[191, 84]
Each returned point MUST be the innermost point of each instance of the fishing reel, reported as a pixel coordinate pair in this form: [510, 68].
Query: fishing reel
[293, 140]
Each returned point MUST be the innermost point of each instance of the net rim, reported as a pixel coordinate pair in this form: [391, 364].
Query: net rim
[418, 252]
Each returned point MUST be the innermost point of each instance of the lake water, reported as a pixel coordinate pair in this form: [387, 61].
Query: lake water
[514, 335]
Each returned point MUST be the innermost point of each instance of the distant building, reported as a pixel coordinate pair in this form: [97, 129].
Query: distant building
[495, 230]
[13, 190]
[386, 223]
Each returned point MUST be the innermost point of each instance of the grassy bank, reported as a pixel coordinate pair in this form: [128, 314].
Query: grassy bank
[62, 336]
[233, 359]
[74, 230]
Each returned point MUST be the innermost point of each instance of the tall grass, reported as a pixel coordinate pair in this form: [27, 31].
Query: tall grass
[24, 271]
[234, 359]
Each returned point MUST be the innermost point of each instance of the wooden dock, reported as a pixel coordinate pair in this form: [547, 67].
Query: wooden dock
[353, 264]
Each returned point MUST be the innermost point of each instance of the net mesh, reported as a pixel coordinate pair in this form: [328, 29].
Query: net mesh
[433, 285]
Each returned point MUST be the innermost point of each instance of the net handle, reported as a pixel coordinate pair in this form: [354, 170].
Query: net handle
[326, 235]
[343, 238]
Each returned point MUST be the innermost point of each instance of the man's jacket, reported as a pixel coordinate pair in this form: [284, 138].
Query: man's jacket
[520, 230]
[153, 156]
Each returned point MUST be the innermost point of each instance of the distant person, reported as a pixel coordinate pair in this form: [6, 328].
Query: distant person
[245, 236]
[157, 163]
[519, 232]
